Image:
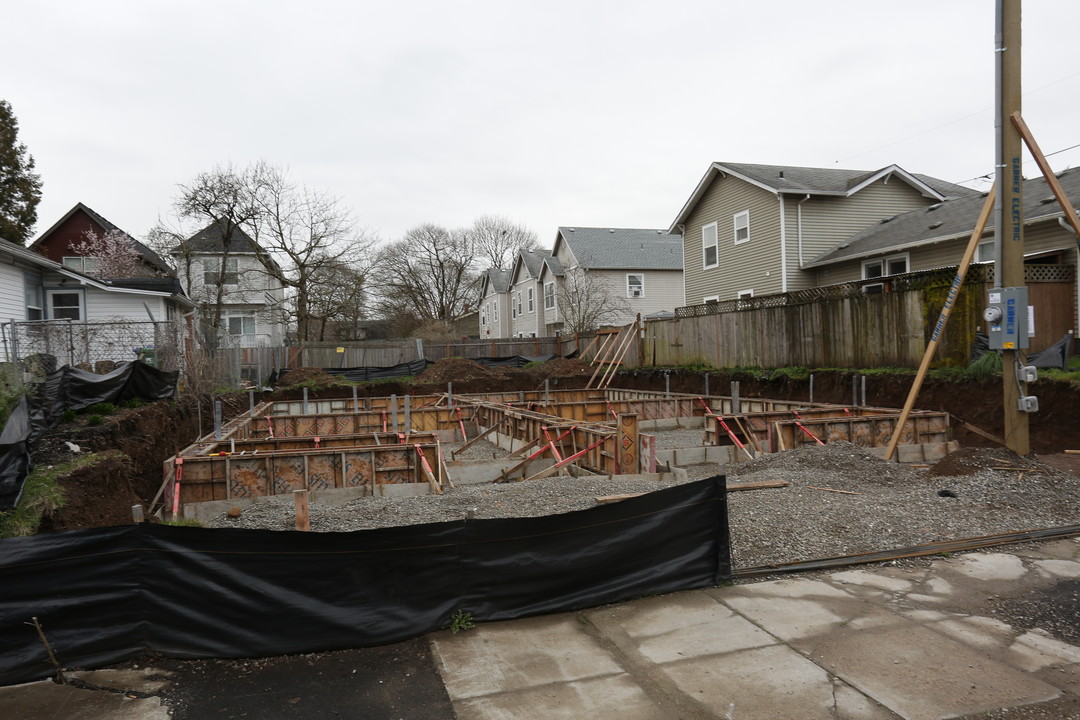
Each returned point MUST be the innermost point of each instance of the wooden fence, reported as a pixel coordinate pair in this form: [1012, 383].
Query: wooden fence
[849, 328]
[386, 353]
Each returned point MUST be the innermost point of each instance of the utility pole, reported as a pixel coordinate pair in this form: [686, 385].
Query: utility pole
[1009, 220]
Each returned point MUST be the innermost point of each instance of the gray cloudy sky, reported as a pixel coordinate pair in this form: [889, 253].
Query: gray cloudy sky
[550, 113]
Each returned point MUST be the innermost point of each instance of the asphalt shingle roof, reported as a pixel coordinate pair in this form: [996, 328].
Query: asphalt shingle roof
[945, 221]
[534, 261]
[784, 178]
[624, 248]
[499, 280]
[210, 240]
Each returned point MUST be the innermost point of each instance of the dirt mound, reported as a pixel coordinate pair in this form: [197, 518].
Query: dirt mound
[844, 458]
[299, 375]
[562, 367]
[971, 461]
[459, 370]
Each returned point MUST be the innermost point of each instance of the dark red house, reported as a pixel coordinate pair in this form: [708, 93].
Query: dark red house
[56, 242]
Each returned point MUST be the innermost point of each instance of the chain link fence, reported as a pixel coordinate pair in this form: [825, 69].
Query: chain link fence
[94, 345]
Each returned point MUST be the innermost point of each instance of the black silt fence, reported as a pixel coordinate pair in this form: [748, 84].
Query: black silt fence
[108, 594]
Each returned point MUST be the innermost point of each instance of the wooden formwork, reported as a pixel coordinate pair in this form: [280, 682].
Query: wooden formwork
[314, 442]
[862, 426]
[224, 476]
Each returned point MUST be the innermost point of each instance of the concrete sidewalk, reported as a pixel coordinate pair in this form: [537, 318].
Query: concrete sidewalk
[881, 642]
[930, 641]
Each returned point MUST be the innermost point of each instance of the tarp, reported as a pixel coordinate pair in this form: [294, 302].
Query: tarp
[68, 389]
[1055, 356]
[359, 374]
[108, 594]
[513, 361]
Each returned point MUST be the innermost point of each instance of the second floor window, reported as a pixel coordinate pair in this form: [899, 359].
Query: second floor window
[549, 296]
[742, 227]
[709, 256]
[532, 304]
[88, 265]
[212, 271]
[635, 285]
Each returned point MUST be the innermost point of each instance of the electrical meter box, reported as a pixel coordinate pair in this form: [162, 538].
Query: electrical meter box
[1006, 318]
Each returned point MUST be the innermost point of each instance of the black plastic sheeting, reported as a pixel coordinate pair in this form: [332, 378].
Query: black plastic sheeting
[109, 594]
[1055, 356]
[68, 389]
[516, 361]
[359, 374]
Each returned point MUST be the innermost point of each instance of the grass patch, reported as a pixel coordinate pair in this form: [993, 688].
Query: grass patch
[42, 495]
[184, 522]
[135, 402]
[94, 420]
[102, 408]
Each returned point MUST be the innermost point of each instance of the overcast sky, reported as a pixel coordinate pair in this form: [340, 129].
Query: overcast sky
[549, 113]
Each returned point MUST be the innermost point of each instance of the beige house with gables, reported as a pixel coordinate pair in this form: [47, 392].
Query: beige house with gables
[752, 229]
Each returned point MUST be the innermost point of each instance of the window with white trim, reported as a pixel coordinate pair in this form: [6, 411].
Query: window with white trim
[746, 294]
[65, 304]
[709, 254]
[741, 221]
[532, 301]
[549, 296]
[519, 303]
[88, 265]
[985, 252]
[711, 299]
[881, 267]
[212, 271]
[241, 324]
[513, 307]
[483, 316]
[32, 297]
[635, 285]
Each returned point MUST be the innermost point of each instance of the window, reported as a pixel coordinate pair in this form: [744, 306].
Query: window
[65, 304]
[743, 296]
[709, 256]
[241, 324]
[742, 227]
[883, 267]
[893, 265]
[32, 297]
[532, 302]
[985, 252]
[494, 311]
[635, 285]
[549, 296]
[483, 316]
[746, 294]
[519, 303]
[711, 299]
[88, 265]
[212, 271]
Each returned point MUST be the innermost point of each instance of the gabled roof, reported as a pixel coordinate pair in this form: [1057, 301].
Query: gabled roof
[211, 240]
[947, 221]
[149, 256]
[552, 266]
[622, 248]
[153, 286]
[497, 280]
[836, 182]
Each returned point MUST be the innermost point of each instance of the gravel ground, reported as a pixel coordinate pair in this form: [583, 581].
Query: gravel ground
[892, 506]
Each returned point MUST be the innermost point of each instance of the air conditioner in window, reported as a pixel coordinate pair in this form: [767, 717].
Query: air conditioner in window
[635, 292]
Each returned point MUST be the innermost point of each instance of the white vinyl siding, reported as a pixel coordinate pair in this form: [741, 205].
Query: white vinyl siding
[13, 293]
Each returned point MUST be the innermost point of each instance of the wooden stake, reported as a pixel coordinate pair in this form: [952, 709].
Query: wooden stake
[845, 492]
[48, 648]
[303, 518]
[943, 318]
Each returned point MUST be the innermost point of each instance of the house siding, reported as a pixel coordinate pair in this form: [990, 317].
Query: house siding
[71, 231]
[751, 265]
[102, 305]
[12, 306]
[828, 221]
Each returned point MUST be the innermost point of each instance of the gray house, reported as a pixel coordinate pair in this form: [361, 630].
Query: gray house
[751, 229]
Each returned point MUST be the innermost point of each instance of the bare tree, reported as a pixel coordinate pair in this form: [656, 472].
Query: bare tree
[337, 301]
[497, 241]
[114, 253]
[587, 300]
[311, 234]
[428, 275]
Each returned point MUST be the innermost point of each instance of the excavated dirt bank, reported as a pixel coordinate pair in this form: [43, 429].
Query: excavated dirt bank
[149, 435]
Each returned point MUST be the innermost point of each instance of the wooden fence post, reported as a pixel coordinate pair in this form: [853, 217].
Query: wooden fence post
[303, 518]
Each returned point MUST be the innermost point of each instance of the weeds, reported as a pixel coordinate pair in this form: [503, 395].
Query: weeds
[461, 620]
[184, 522]
[102, 408]
[135, 402]
[94, 420]
[42, 495]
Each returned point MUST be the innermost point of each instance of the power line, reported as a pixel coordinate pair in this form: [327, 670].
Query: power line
[990, 175]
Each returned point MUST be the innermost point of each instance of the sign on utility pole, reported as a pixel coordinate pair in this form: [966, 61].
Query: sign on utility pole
[1006, 313]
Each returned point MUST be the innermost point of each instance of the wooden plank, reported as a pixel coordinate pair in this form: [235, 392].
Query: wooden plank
[731, 487]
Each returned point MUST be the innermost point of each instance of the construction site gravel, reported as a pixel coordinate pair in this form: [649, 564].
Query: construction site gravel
[840, 500]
